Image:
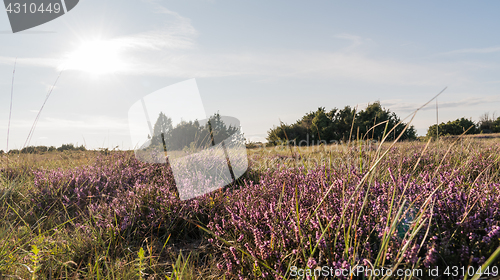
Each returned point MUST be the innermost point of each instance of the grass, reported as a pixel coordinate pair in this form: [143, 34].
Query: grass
[324, 194]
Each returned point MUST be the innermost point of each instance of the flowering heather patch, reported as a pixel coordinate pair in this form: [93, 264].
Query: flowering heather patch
[274, 221]
[288, 212]
[279, 221]
[119, 193]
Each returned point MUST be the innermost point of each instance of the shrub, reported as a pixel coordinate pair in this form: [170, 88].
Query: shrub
[70, 147]
[337, 125]
[34, 150]
[456, 127]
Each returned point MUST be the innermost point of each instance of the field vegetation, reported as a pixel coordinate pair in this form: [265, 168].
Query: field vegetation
[105, 215]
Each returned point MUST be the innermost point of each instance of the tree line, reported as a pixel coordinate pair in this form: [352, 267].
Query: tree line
[372, 123]
[486, 124]
[45, 149]
[342, 125]
[191, 134]
[321, 126]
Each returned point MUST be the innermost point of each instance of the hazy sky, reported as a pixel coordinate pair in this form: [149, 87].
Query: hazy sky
[258, 61]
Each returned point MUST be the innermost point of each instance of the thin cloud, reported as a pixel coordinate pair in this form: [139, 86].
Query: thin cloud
[355, 40]
[177, 33]
[399, 105]
[85, 122]
[173, 52]
[475, 50]
[32, 61]
[309, 64]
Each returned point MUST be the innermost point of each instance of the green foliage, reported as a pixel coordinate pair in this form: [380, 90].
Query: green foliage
[140, 263]
[190, 135]
[496, 125]
[335, 125]
[35, 258]
[13, 151]
[34, 150]
[45, 149]
[179, 270]
[488, 125]
[70, 147]
[456, 127]
[162, 126]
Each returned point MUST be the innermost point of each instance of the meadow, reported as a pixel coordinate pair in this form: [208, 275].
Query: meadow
[405, 205]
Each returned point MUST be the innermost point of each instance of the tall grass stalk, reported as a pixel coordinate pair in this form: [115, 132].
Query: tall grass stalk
[10, 109]
[32, 130]
[363, 180]
[488, 262]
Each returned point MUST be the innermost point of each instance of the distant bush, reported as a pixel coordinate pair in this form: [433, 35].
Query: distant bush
[253, 145]
[190, 135]
[34, 150]
[496, 125]
[1, 152]
[342, 125]
[456, 127]
[45, 149]
[488, 125]
[70, 147]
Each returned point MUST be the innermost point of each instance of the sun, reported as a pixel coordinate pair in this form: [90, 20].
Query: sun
[96, 57]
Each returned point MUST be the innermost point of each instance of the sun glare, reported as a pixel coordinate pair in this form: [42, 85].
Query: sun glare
[96, 57]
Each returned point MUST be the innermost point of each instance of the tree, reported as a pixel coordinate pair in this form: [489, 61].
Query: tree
[343, 120]
[191, 134]
[488, 125]
[496, 125]
[182, 135]
[485, 124]
[219, 128]
[163, 126]
[321, 124]
[456, 127]
[34, 150]
[336, 125]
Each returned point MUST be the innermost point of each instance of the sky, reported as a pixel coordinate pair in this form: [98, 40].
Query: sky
[261, 62]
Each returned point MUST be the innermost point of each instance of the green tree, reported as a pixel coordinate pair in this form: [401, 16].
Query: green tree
[322, 125]
[182, 135]
[456, 127]
[336, 125]
[343, 120]
[496, 125]
[220, 129]
[192, 134]
[163, 126]
[485, 124]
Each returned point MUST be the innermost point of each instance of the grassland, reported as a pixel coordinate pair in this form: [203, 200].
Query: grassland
[105, 215]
